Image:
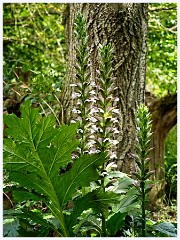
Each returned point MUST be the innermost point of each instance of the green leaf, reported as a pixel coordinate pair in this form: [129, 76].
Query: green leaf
[97, 199]
[103, 200]
[115, 223]
[34, 156]
[36, 217]
[129, 201]
[10, 227]
[167, 228]
[123, 184]
[83, 172]
[22, 195]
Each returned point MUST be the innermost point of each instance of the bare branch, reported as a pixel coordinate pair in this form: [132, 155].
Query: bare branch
[162, 9]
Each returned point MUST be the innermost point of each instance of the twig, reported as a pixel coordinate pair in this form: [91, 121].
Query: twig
[52, 111]
[62, 108]
[8, 199]
[162, 9]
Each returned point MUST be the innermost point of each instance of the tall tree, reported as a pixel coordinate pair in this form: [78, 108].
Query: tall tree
[124, 25]
[164, 117]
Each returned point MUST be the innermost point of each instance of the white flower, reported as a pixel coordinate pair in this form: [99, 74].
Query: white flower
[73, 85]
[91, 100]
[93, 150]
[113, 156]
[92, 92]
[92, 137]
[93, 110]
[91, 143]
[75, 95]
[73, 121]
[74, 156]
[114, 120]
[115, 130]
[98, 72]
[116, 99]
[93, 84]
[76, 111]
[114, 142]
[100, 130]
[111, 164]
[106, 140]
[93, 119]
[101, 110]
[116, 110]
[93, 129]
[80, 130]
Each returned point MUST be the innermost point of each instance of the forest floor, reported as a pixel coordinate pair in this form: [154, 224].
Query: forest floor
[165, 213]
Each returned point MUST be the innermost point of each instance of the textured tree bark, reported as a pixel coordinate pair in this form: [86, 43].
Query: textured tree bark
[124, 25]
[164, 116]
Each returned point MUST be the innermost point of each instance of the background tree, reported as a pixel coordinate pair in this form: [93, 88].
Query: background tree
[125, 27]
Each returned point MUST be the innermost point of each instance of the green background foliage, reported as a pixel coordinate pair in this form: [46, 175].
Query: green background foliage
[34, 48]
[162, 48]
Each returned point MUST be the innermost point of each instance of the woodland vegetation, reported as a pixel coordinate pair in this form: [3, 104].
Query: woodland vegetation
[82, 158]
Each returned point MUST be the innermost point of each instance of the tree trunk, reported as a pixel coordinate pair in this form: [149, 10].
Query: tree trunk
[124, 25]
[164, 116]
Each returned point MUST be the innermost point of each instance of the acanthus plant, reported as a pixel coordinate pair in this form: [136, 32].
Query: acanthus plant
[106, 108]
[143, 148]
[34, 154]
[105, 113]
[96, 131]
[81, 93]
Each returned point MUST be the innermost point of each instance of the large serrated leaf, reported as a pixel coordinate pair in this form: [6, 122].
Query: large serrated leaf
[97, 199]
[115, 223]
[167, 228]
[129, 201]
[10, 227]
[35, 151]
[83, 172]
[20, 195]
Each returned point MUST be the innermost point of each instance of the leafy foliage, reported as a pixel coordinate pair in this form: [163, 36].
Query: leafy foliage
[171, 166]
[162, 48]
[34, 52]
[27, 223]
[143, 121]
[36, 151]
[10, 227]
[166, 229]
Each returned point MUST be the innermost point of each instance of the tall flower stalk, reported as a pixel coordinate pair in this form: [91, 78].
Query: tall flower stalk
[81, 87]
[143, 148]
[105, 111]
[94, 108]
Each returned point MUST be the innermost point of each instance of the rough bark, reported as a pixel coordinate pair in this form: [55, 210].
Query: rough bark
[125, 26]
[164, 116]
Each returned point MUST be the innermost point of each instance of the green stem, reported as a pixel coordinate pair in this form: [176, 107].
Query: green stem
[143, 210]
[57, 212]
[103, 225]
